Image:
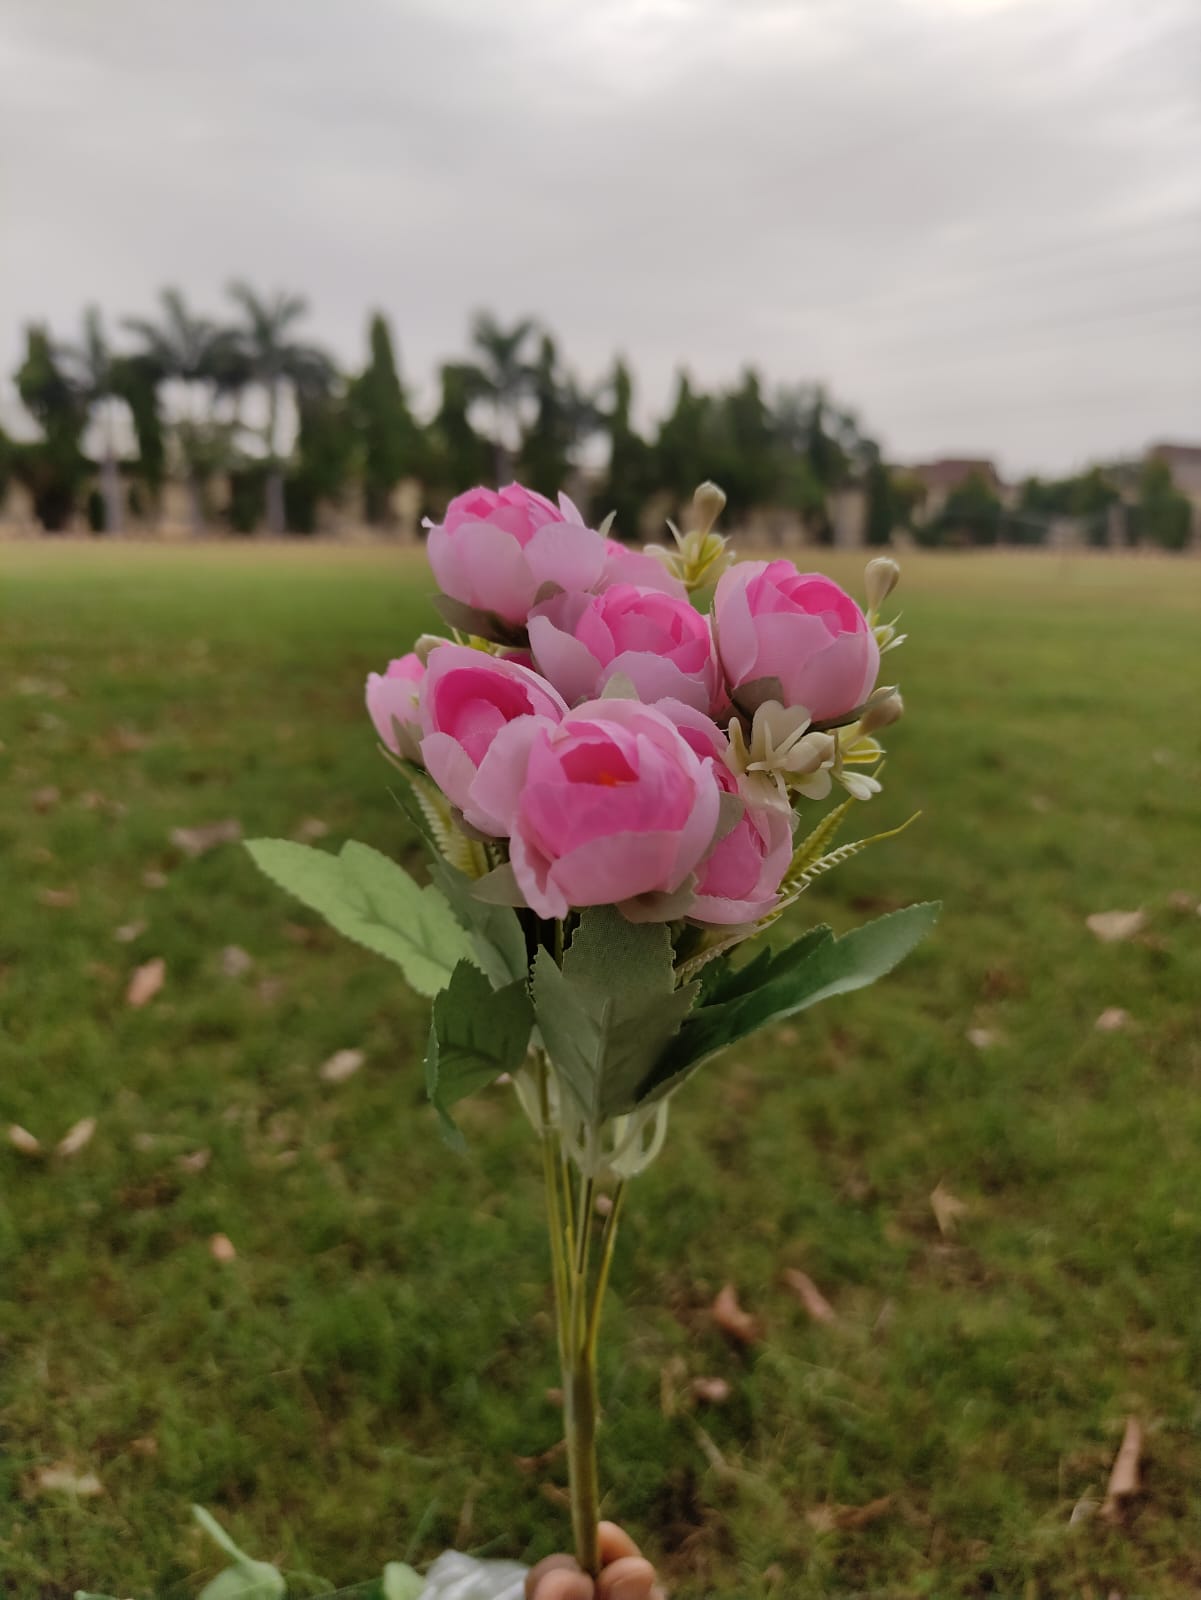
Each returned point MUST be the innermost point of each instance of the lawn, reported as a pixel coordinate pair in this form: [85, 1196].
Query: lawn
[367, 1377]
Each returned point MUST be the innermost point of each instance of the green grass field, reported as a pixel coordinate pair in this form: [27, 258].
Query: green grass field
[368, 1378]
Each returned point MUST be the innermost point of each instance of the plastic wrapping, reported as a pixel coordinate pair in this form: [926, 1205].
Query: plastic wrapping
[456, 1577]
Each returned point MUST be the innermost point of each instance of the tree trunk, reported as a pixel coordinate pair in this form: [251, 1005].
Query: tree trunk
[110, 491]
[276, 510]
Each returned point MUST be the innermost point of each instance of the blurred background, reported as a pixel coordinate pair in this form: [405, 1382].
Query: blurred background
[278, 280]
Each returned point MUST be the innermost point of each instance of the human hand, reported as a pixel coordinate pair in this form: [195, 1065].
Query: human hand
[625, 1574]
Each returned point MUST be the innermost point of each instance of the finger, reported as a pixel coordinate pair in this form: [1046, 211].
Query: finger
[535, 1576]
[615, 1542]
[563, 1584]
[630, 1578]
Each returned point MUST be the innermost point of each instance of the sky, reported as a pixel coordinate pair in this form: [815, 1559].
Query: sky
[978, 222]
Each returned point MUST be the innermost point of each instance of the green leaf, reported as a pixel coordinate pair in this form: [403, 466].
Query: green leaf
[402, 1583]
[374, 902]
[496, 934]
[813, 845]
[608, 1013]
[476, 1033]
[247, 1579]
[813, 969]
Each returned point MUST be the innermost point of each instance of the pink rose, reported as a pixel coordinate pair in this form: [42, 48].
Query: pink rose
[772, 621]
[609, 804]
[627, 564]
[739, 879]
[494, 551]
[392, 705]
[467, 697]
[662, 644]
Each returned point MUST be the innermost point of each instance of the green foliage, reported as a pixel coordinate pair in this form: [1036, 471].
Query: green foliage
[608, 1013]
[495, 933]
[378, 412]
[971, 515]
[629, 480]
[400, 1582]
[457, 457]
[1164, 515]
[476, 1033]
[816, 967]
[374, 902]
[136, 382]
[246, 1579]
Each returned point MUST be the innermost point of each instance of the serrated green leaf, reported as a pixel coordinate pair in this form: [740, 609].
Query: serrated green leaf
[814, 844]
[608, 1013]
[465, 854]
[401, 1582]
[476, 1033]
[797, 882]
[495, 932]
[813, 969]
[374, 902]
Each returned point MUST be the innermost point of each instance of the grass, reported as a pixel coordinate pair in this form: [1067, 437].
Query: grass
[367, 1379]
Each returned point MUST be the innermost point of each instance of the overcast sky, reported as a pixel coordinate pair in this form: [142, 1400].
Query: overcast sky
[979, 221]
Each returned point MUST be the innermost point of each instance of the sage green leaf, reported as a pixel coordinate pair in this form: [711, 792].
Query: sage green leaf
[247, 1579]
[374, 902]
[607, 1015]
[770, 990]
[401, 1582]
[476, 1033]
[496, 934]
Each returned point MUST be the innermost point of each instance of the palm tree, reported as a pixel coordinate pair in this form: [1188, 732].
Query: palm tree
[92, 370]
[276, 361]
[504, 378]
[186, 349]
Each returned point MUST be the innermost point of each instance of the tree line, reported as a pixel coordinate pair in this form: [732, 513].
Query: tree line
[249, 402]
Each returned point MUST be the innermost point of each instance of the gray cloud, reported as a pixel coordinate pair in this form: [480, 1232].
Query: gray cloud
[978, 220]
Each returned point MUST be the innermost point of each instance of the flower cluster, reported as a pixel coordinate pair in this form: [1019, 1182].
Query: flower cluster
[609, 743]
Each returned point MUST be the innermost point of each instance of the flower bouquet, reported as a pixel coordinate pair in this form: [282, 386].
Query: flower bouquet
[610, 764]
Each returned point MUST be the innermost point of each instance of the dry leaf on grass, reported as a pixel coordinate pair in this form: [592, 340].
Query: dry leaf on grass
[982, 1038]
[310, 830]
[221, 1248]
[21, 1139]
[1112, 926]
[196, 1161]
[146, 1446]
[831, 1519]
[1181, 900]
[153, 878]
[1112, 1020]
[1124, 1475]
[207, 836]
[63, 1479]
[947, 1209]
[733, 1321]
[146, 982]
[711, 1391]
[58, 899]
[235, 962]
[341, 1065]
[129, 931]
[77, 1137]
[603, 1205]
[46, 799]
[810, 1296]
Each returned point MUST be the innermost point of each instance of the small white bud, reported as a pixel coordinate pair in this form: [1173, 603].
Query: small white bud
[881, 578]
[883, 709]
[708, 503]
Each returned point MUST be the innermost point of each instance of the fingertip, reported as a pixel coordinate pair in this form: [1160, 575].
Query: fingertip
[629, 1578]
[615, 1543]
[562, 1583]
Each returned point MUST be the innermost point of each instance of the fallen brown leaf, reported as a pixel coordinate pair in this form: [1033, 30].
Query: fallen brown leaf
[129, 931]
[47, 798]
[145, 1446]
[311, 829]
[733, 1321]
[21, 1139]
[207, 836]
[1112, 926]
[63, 1479]
[810, 1296]
[982, 1038]
[196, 1161]
[831, 1519]
[1124, 1475]
[129, 741]
[1112, 1020]
[77, 1137]
[947, 1208]
[154, 878]
[146, 982]
[235, 962]
[711, 1391]
[341, 1065]
[1182, 900]
[221, 1248]
[58, 899]
[528, 1464]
